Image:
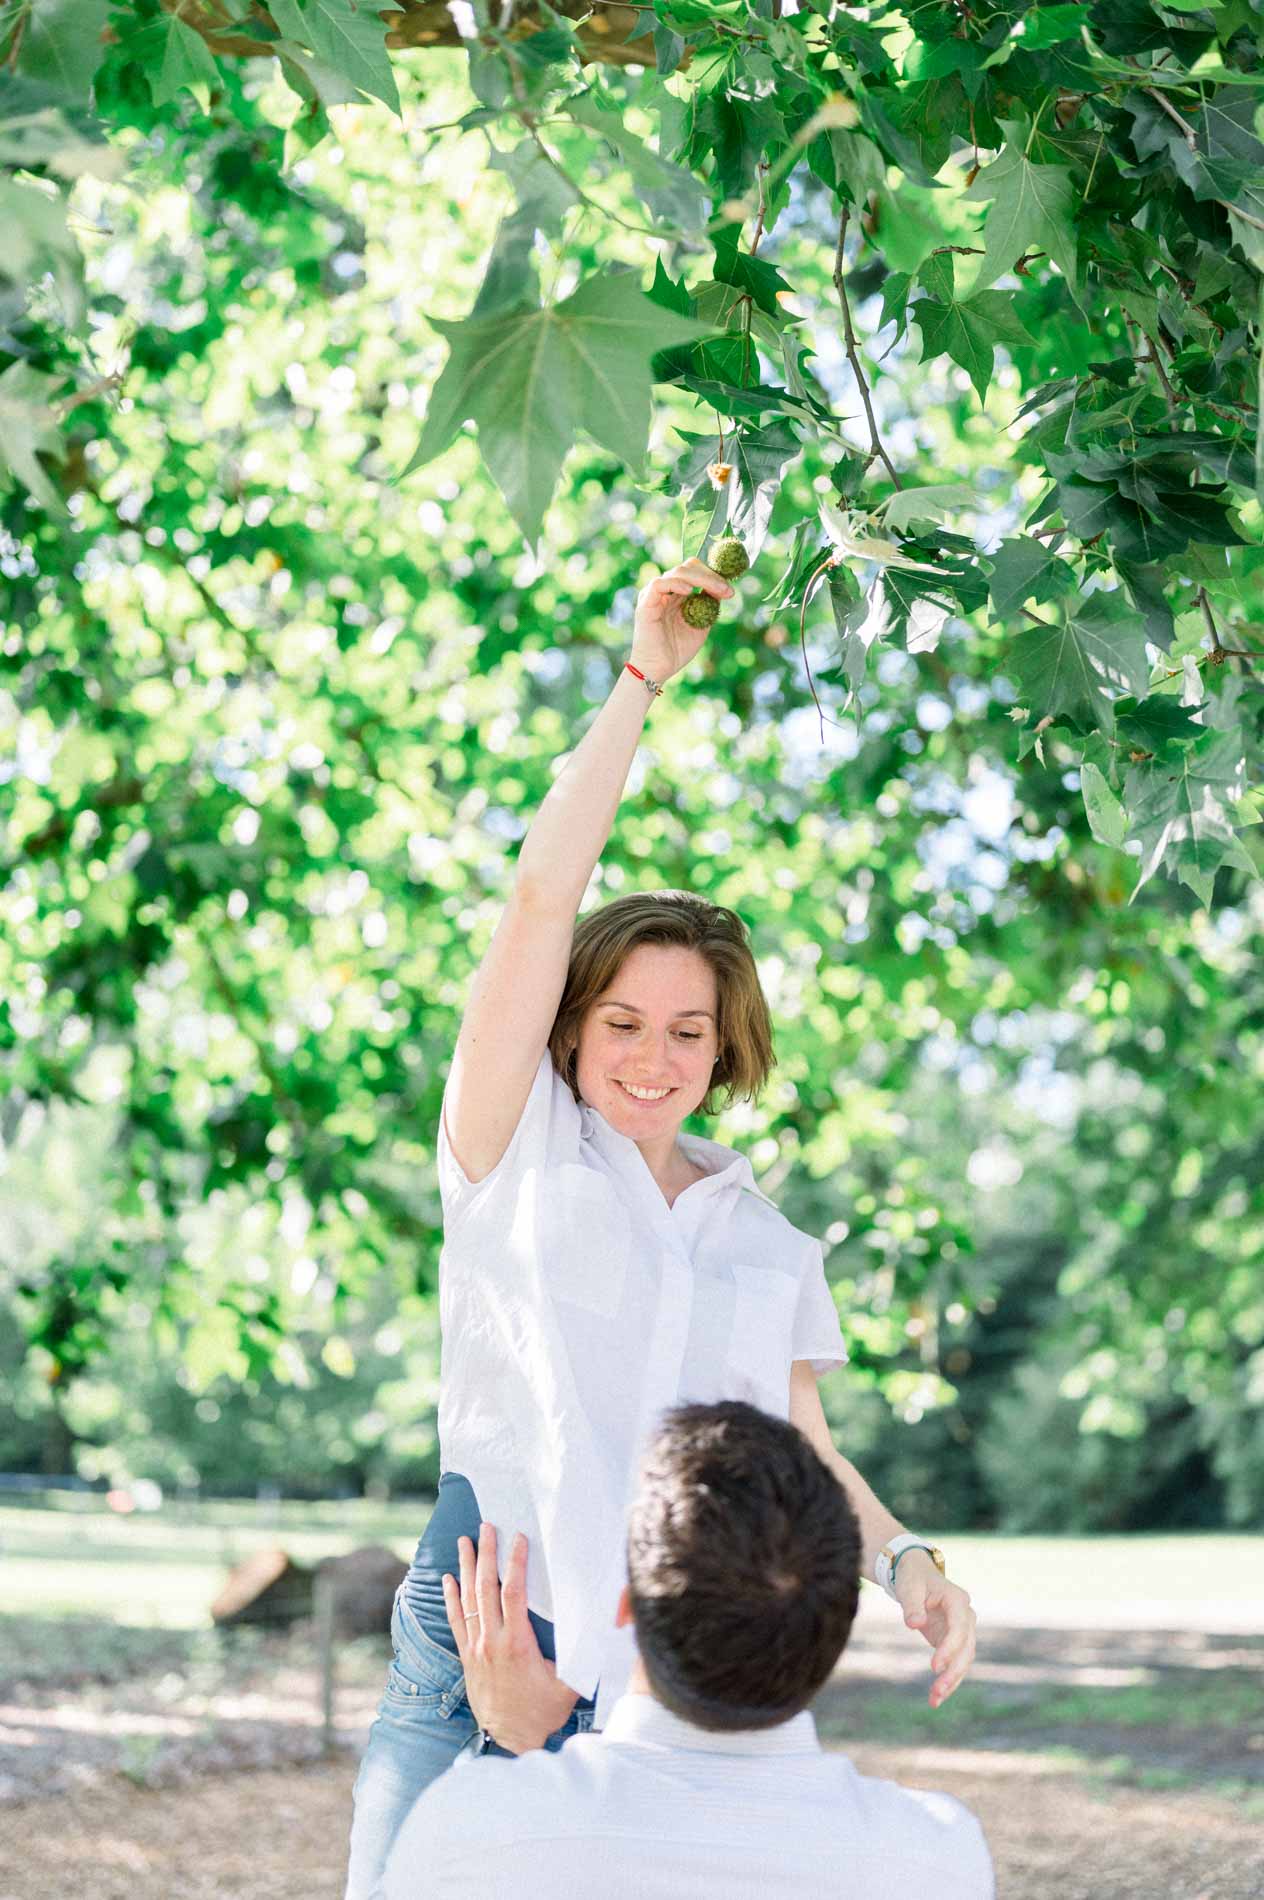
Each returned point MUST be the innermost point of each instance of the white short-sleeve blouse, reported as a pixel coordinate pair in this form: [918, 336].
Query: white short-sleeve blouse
[576, 1307]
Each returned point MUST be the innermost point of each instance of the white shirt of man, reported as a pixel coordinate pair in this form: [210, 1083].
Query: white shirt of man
[652, 1808]
[575, 1306]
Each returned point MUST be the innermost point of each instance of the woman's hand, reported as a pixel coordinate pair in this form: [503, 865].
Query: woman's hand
[663, 643]
[943, 1613]
[512, 1689]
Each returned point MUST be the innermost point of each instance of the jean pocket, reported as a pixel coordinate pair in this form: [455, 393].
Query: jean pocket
[422, 1675]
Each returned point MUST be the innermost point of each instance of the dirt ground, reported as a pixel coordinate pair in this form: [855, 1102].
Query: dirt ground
[280, 1836]
[1104, 1765]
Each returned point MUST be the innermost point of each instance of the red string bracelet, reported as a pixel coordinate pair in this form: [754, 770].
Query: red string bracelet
[653, 685]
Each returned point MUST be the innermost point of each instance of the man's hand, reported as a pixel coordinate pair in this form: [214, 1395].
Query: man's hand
[943, 1613]
[513, 1691]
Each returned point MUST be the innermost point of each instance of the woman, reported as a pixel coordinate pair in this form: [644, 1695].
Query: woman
[598, 1264]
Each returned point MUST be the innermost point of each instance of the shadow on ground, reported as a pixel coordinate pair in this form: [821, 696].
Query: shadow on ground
[1103, 1765]
[1160, 1708]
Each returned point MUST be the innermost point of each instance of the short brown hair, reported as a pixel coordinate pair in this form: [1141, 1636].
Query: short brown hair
[606, 936]
[743, 1566]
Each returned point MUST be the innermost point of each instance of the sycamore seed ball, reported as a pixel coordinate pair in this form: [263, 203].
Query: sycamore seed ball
[699, 610]
[728, 557]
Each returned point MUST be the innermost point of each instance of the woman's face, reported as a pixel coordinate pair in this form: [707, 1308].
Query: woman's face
[653, 1030]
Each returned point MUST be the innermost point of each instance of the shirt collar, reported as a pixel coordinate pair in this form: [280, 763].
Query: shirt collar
[721, 1163]
[643, 1721]
[725, 1167]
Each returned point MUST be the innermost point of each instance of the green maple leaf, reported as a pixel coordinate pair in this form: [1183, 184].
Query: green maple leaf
[672, 193]
[1181, 813]
[736, 132]
[1077, 667]
[1144, 587]
[349, 34]
[1031, 211]
[1159, 724]
[187, 61]
[895, 290]
[753, 275]
[27, 424]
[929, 504]
[544, 196]
[315, 79]
[532, 378]
[1023, 569]
[62, 45]
[969, 332]
[1107, 819]
[759, 457]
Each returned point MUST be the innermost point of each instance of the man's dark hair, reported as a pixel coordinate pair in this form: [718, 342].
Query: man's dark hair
[743, 1566]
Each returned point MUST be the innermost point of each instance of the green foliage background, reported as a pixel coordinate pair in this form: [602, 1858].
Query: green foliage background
[275, 719]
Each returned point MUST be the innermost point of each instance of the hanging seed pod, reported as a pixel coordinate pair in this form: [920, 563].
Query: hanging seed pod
[699, 610]
[729, 557]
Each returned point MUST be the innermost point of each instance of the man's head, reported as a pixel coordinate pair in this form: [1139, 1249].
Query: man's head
[743, 1567]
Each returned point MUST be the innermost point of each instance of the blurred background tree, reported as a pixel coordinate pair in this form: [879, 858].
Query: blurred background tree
[275, 722]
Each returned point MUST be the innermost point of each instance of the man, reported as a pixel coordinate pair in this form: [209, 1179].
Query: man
[708, 1778]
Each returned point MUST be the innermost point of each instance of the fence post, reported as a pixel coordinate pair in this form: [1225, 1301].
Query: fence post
[325, 1606]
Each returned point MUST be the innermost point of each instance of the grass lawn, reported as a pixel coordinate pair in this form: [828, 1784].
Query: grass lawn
[164, 1568]
[108, 1656]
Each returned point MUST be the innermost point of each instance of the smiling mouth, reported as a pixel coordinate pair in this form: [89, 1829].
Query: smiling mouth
[646, 1101]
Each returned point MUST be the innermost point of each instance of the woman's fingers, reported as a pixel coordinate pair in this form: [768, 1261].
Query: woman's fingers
[700, 575]
[487, 1580]
[955, 1651]
[456, 1615]
[470, 1604]
[689, 575]
[459, 1597]
[514, 1591]
[950, 1678]
[465, 1558]
[703, 579]
[949, 1657]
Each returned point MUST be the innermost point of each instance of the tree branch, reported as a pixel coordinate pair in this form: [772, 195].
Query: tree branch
[1157, 361]
[849, 339]
[105, 385]
[15, 46]
[1187, 131]
[602, 36]
[761, 172]
[125, 789]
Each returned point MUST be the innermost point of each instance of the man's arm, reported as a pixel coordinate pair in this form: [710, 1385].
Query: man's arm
[513, 1691]
[939, 1609]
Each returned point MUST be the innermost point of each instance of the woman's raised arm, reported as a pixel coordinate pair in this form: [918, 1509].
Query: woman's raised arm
[516, 990]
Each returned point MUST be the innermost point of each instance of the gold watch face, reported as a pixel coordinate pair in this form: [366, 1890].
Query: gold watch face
[937, 1558]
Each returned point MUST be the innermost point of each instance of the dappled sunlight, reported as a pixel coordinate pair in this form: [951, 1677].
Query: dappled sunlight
[912, 1764]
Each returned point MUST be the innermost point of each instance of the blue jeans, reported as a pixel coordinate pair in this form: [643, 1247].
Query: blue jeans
[423, 1723]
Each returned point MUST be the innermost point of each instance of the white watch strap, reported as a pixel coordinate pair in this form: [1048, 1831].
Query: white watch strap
[890, 1551]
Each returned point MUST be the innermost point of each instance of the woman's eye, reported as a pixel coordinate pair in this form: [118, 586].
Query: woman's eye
[623, 1025]
[690, 1035]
